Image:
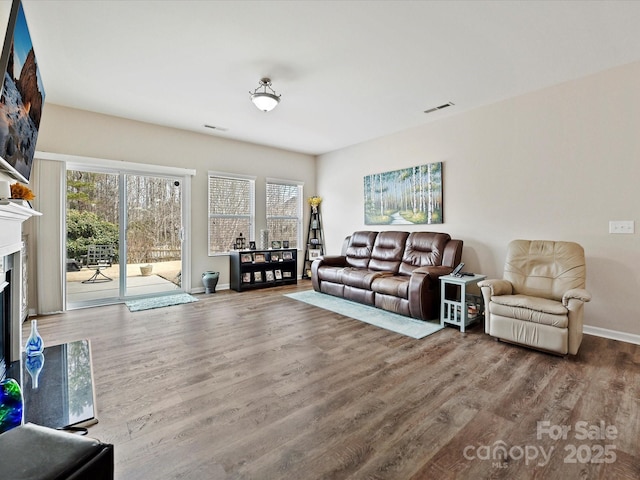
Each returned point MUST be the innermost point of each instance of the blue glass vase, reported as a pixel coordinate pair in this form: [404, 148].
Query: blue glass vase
[34, 364]
[34, 345]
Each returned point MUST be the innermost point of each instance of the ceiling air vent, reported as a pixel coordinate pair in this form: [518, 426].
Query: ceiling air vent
[213, 127]
[435, 109]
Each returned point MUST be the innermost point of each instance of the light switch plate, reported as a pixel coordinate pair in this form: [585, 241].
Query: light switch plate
[621, 226]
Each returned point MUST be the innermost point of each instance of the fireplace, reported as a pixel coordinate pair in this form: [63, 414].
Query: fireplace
[4, 328]
[12, 311]
[9, 326]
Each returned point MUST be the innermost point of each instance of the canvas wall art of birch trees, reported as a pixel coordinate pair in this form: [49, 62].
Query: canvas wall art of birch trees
[409, 196]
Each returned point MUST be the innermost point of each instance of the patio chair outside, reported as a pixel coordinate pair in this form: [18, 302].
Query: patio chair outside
[99, 257]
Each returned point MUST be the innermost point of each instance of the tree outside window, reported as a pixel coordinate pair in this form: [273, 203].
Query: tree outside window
[231, 210]
[284, 211]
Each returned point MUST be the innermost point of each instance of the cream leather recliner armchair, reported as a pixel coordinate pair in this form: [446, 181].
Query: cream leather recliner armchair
[540, 301]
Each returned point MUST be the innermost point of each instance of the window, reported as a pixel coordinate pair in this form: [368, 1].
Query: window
[231, 210]
[284, 211]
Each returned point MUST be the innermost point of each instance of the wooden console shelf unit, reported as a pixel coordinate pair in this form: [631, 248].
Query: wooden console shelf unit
[251, 269]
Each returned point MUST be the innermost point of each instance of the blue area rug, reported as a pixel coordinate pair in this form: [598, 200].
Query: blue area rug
[158, 302]
[374, 316]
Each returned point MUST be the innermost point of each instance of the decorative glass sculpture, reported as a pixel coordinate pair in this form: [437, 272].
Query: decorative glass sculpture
[34, 345]
[10, 404]
[34, 364]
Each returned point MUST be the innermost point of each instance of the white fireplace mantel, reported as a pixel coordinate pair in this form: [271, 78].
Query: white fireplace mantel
[12, 214]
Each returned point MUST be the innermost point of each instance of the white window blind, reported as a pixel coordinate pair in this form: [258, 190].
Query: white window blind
[284, 211]
[231, 210]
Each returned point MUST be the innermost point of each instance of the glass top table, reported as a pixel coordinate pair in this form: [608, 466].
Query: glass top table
[57, 386]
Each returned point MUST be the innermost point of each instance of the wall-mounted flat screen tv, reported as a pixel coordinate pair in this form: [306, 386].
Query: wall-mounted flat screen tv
[22, 98]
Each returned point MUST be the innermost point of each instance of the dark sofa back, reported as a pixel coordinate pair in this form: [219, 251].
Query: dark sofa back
[400, 252]
[387, 251]
[360, 247]
[423, 249]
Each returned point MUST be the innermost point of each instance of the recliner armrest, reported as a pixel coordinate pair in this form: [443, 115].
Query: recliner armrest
[575, 294]
[333, 260]
[325, 260]
[489, 288]
[433, 272]
[496, 286]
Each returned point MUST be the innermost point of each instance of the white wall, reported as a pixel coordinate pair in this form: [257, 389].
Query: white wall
[76, 132]
[556, 164]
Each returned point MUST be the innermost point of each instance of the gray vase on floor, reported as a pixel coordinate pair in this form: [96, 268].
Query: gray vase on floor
[210, 280]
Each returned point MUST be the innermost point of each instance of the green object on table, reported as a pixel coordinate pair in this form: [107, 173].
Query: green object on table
[10, 404]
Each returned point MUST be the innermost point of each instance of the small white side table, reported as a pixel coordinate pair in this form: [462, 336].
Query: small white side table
[456, 311]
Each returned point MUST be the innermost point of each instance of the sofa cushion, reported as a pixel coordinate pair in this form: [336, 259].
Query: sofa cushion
[423, 249]
[360, 277]
[397, 285]
[387, 251]
[530, 309]
[360, 247]
[330, 274]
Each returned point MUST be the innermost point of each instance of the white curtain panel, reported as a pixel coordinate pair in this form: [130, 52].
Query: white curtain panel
[47, 183]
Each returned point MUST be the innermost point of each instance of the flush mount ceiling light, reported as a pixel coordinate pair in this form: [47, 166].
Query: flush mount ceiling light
[264, 100]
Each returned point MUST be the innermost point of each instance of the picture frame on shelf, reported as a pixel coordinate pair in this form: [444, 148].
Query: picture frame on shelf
[259, 258]
[276, 244]
[275, 257]
[278, 274]
[257, 276]
[246, 277]
[246, 258]
[314, 253]
[240, 242]
[287, 256]
[285, 244]
[268, 276]
[252, 245]
[286, 274]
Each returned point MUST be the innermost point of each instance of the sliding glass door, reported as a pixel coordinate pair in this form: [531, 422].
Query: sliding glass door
[153, 235]
[124, 236]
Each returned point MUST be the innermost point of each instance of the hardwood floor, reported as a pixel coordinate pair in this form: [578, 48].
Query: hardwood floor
[255, 385]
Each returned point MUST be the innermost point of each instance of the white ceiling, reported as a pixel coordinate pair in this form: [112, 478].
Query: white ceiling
[347, 71]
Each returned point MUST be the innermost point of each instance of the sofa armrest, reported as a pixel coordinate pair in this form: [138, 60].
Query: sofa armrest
[325, 260]
[496, 287]
[574, 300]
[489, 288]
[332, 260]
[452, 254]
[424, 291]
[433, 271]
[579, 294]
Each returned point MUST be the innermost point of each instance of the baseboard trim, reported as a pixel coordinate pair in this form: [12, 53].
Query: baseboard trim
[224, 286]
[612, 334]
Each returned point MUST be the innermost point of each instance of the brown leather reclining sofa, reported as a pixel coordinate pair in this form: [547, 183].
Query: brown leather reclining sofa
[395, 271]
